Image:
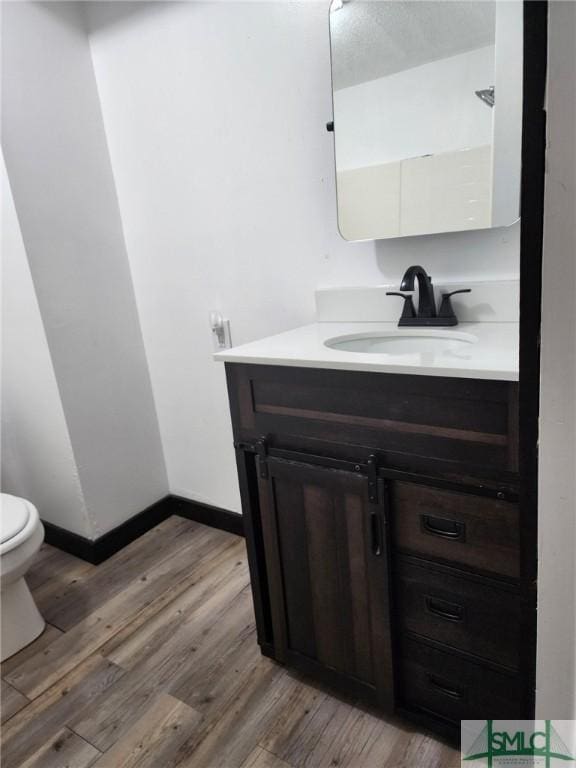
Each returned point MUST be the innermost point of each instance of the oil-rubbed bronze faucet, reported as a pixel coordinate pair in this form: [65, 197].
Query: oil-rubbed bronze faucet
[426, 315]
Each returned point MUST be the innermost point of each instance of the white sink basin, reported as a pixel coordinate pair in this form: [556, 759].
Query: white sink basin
[410, 342]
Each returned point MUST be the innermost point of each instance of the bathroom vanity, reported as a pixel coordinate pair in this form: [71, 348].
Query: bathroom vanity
[380, 498]
[379, 466]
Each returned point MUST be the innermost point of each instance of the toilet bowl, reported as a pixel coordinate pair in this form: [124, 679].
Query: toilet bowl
[21, 535]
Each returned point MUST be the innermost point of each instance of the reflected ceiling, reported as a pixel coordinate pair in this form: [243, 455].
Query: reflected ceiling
[375, 38]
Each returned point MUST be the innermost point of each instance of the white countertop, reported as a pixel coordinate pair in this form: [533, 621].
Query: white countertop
[493, 356]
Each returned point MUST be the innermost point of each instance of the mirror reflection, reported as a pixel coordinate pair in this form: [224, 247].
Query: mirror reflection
[427, 115]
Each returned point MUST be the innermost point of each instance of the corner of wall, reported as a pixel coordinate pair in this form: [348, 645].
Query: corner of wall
[38, 461]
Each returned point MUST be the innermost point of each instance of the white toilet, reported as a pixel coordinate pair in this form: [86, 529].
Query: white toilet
[21, 535]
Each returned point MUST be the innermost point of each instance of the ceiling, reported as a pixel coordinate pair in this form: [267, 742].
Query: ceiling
[375, 38]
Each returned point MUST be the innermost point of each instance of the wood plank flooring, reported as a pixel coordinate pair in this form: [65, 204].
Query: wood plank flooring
[150, 660]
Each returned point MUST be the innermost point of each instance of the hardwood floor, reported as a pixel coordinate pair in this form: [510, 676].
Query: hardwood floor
[150, 659]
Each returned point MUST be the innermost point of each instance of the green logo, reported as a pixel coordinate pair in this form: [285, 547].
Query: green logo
[545, 745]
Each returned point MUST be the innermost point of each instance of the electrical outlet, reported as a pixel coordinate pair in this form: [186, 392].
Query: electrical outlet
[220, 326]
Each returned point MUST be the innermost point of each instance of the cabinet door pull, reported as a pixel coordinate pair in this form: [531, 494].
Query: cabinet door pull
[443, 527]
[376, 533]
[444, 689]
[444, 610]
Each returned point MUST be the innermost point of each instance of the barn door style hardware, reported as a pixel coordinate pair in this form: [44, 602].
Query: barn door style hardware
[372, 469]
[262, 453]
[378, 498]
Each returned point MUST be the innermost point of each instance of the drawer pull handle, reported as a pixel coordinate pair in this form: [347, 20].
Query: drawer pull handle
[441, 526]
[444, 689]
[444, 610]
[376, 534]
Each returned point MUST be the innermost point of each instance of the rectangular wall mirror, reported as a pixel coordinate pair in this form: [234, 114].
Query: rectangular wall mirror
[427, 115]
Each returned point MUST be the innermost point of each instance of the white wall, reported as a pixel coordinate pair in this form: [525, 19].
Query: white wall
[507, 153]
[425, 110]
[37, 459]
[556, 679]
[215, 117]
[215, 120]
[59, 169]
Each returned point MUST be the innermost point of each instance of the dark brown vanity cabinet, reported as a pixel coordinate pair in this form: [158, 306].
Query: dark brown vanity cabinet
[388, 553]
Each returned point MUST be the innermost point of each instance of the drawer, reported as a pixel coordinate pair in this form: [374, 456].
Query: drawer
[454, 688]
[470, 615]
[452, 427]
[472, 531]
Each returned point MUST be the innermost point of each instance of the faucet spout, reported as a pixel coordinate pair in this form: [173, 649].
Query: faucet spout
[426, 315]
[426, 300]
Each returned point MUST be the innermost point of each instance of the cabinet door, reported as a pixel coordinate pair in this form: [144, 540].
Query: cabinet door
[327, 562]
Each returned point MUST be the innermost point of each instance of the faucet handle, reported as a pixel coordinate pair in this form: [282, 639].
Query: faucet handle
[446, 309]
[408, 311]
